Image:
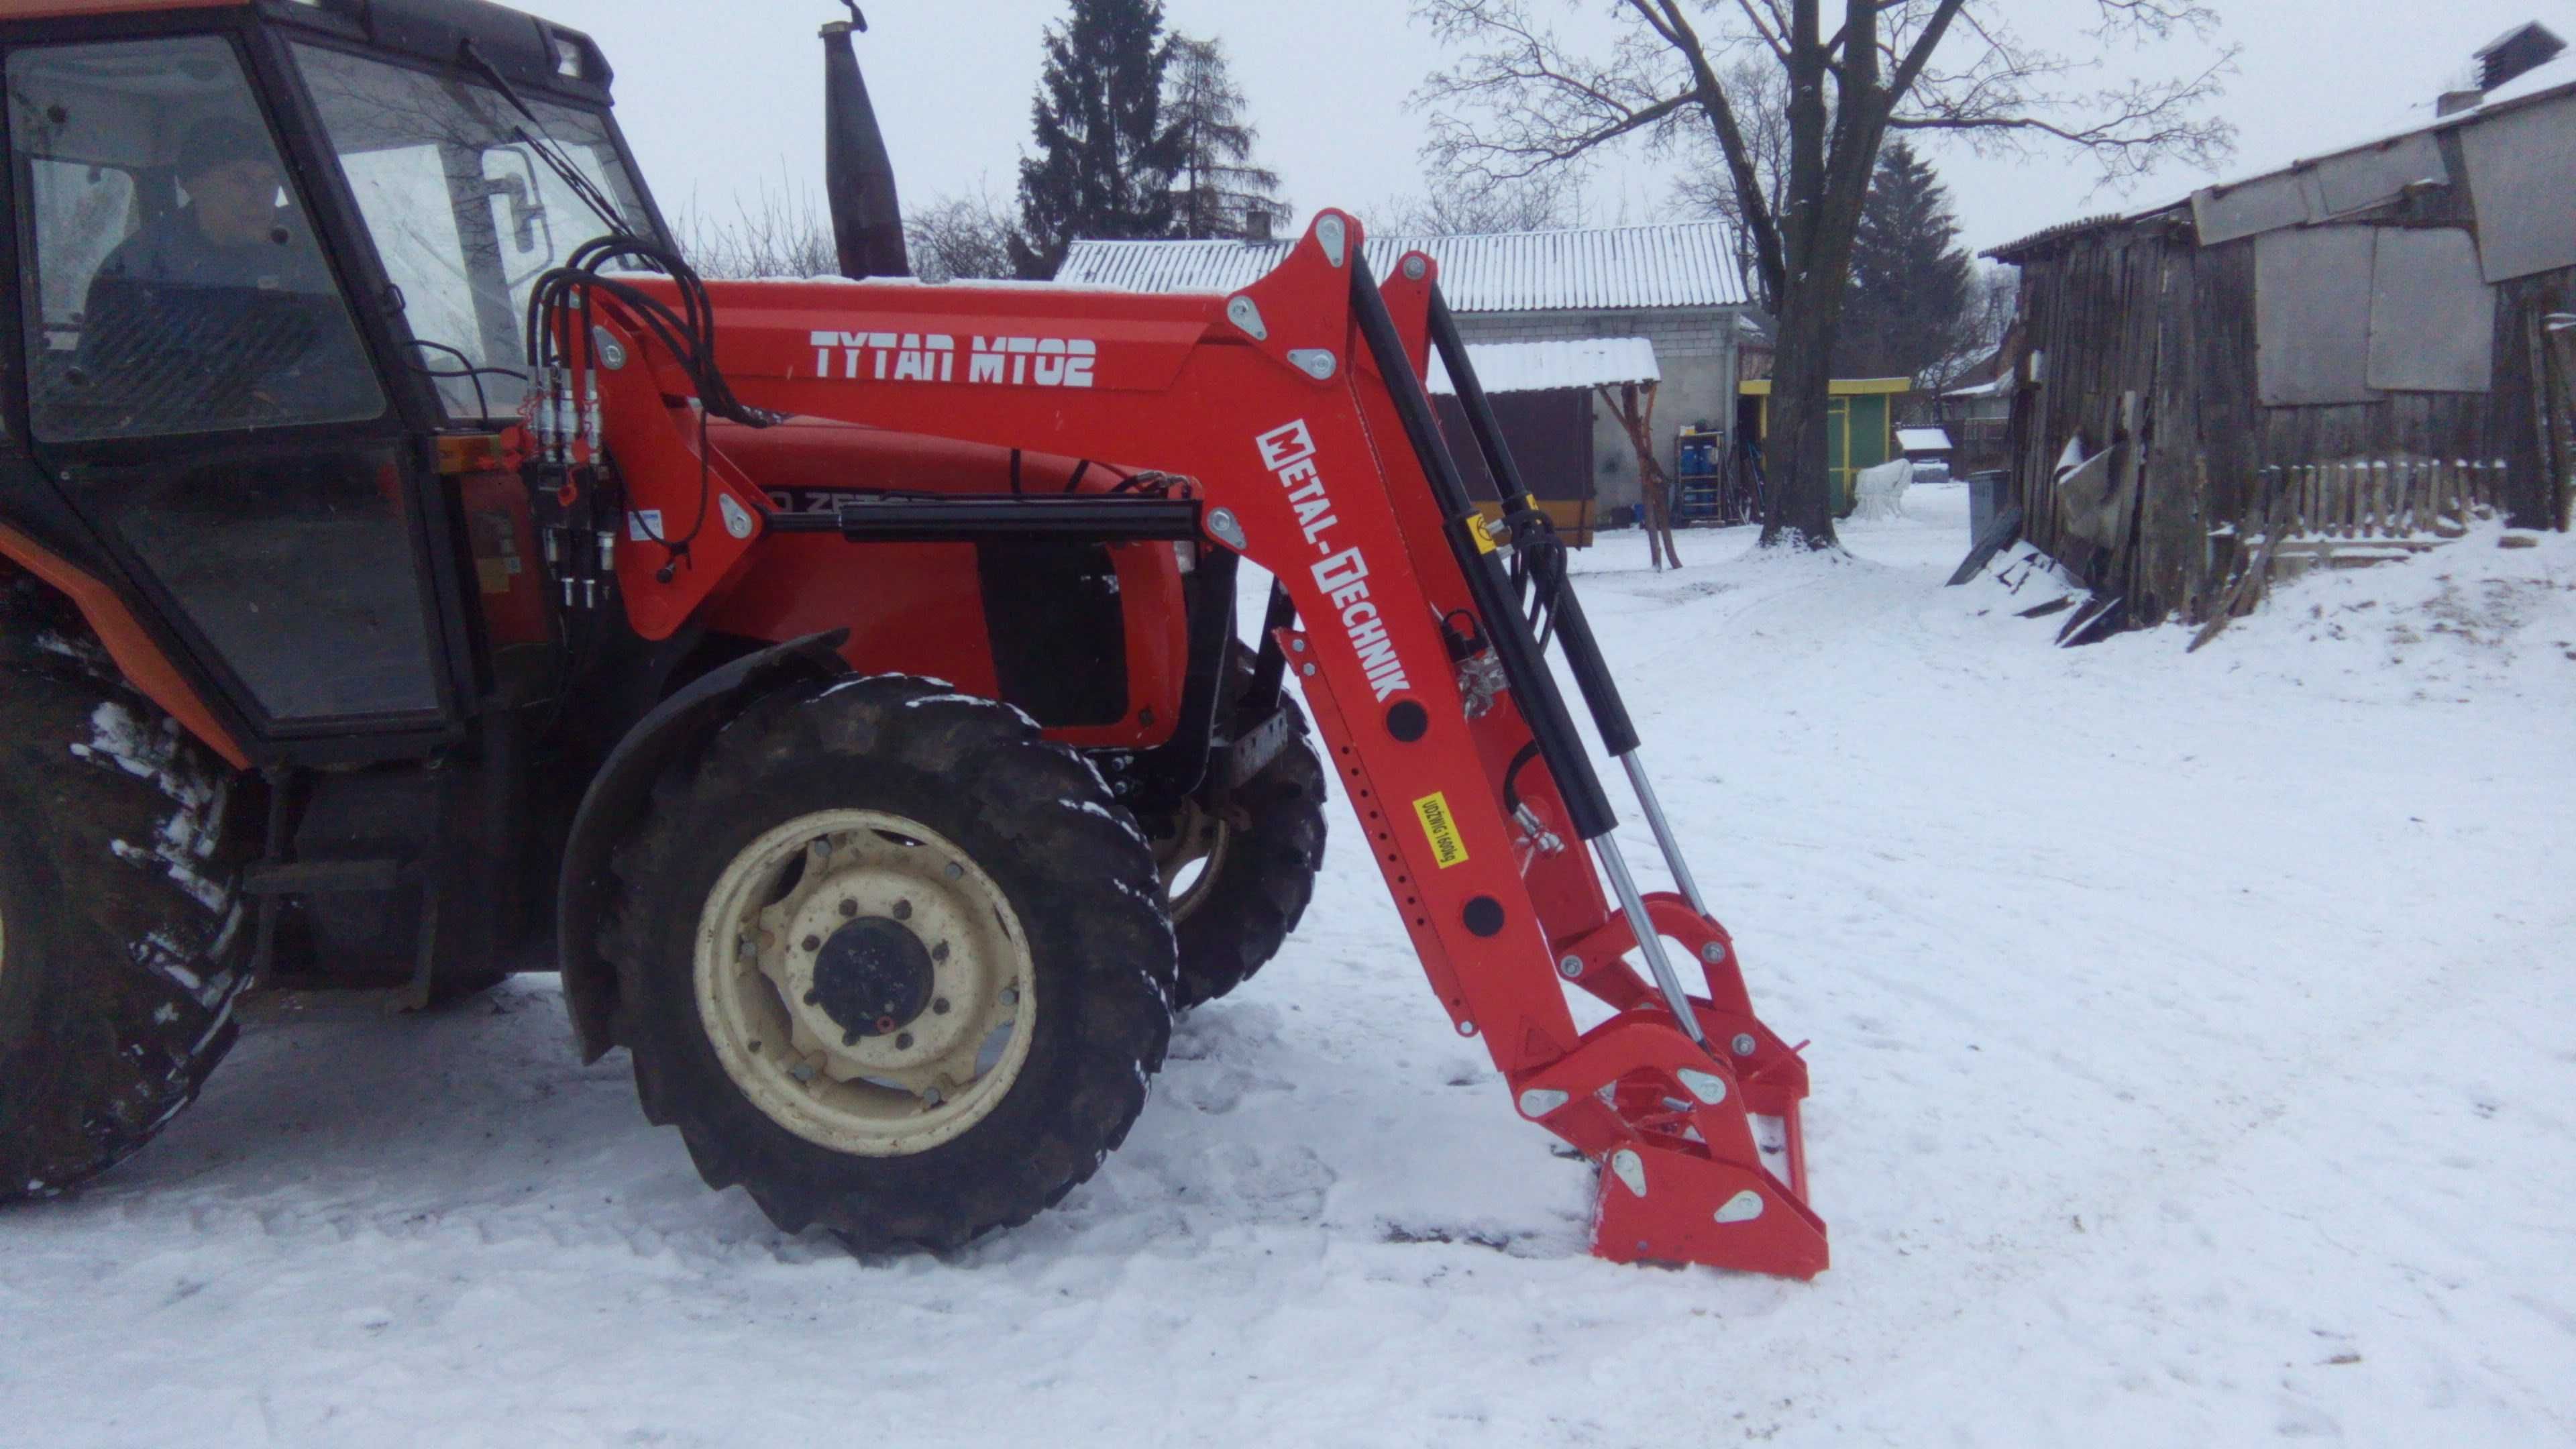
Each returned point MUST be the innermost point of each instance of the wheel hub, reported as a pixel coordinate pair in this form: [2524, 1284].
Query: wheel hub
[871, 977]
[865, 982]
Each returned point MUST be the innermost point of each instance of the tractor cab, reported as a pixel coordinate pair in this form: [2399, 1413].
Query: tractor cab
[269, 253]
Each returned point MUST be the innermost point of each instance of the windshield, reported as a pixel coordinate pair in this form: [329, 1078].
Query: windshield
[465, 208]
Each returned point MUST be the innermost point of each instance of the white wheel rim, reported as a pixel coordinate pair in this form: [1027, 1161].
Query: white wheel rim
[1200, 839]
[907, 1081]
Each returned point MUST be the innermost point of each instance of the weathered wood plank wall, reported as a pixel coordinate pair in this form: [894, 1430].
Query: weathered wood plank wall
[2139, 306]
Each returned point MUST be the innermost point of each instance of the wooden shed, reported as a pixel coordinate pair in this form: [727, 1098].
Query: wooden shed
[1542, 394]
[1860, 426]
[2356, 344]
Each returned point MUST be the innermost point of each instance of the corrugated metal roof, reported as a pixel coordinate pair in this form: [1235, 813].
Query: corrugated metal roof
[1678, 264]
[1547, 366]
[2551, 82]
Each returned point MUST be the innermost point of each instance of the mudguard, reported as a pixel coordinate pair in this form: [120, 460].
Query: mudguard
[619, 792]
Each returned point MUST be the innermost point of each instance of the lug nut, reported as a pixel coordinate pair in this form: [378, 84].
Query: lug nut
[939, 952]
[903, 1042]
[849, 908]
[956, 871]
[939, 1007]
[903, 910]
[813, 943]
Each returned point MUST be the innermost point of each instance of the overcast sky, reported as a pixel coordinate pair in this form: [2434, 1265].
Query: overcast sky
[720, 107]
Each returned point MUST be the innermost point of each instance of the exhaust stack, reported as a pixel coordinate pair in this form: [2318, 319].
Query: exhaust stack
[858, 177]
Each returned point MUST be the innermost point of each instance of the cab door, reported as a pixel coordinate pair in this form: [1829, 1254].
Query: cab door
[198, 385]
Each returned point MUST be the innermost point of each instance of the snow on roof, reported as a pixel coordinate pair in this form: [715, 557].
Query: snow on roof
[1992, 387]
[1922, 440]
[2553, 81]
[1547, 366]
[1676, 264]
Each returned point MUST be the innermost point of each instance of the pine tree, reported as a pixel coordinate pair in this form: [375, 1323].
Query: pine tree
[1908, 302]
[1219, 187]
[1105, 157]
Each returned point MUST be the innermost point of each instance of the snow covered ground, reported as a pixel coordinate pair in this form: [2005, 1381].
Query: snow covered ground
[2195, 1062]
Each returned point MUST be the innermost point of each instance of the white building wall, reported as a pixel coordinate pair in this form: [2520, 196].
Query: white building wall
[1694, 347]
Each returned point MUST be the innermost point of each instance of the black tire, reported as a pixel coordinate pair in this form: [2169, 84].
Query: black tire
[122, 943]
[1037, 821]
[1233, 918]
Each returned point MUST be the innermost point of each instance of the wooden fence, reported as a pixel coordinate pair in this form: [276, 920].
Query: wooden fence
[2349, 515]
[2403, 499]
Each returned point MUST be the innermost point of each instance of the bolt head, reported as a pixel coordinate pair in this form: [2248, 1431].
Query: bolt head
[955, 871]
[1466, 1028]
[1571, 968]
[1744, 1043]
[1308, 671]
[1712, 953]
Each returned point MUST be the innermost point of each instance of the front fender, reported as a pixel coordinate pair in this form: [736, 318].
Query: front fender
[623, 787]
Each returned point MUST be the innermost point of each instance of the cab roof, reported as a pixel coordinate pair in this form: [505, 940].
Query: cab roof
[530, 51]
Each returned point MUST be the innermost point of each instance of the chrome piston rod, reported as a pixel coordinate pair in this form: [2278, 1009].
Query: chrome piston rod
[1663, 829]
[1649, 941]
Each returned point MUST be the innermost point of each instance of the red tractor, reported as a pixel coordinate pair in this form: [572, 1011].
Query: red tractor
[414, 572]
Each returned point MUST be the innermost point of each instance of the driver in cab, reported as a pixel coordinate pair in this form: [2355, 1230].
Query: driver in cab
[220, 313]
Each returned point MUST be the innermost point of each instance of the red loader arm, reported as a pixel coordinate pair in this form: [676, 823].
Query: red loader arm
[1296, 411]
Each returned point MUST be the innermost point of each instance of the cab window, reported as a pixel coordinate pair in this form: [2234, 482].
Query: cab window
[177, 284]
[469, 200]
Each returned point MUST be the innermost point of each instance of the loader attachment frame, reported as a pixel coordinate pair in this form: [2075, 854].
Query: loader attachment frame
[1293, 414]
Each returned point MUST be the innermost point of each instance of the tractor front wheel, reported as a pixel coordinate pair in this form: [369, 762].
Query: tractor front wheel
[891, 962]
[1238, 872]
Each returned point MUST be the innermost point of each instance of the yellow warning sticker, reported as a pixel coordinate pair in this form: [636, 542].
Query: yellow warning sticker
[1446, 847]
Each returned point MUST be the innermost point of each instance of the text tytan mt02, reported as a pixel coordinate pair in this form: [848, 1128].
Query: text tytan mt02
[932, 357]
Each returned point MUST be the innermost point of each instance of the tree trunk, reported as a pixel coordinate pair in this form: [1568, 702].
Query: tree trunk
[1800, 509]
[1654, 489]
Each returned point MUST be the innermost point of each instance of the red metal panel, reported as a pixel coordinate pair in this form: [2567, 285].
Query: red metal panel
[1297, 438]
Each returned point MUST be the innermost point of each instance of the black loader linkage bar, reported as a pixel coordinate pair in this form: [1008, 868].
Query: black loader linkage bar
[1524, 663]
[1523, 658]
[998, 519]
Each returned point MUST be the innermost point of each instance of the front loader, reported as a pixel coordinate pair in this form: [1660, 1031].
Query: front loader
[837, 681]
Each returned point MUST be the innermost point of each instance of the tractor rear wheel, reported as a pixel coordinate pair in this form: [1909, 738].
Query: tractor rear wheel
[891, 962]
[121, 947]
[1238, 874]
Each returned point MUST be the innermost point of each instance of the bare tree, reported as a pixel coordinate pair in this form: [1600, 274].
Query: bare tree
[781, 234]
[784, 233]
[1449, 207]
[1993, 299]
[1525, 100]
[1707, 187]
[1220, 189]
[956, 238]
